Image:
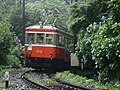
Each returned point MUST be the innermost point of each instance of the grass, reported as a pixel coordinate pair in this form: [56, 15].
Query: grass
[78, 80]
[2, 84]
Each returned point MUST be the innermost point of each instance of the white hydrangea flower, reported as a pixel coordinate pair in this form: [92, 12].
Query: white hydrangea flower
[102, 47]
[96, 66]
[117, 43]
[90, 25]
[94, 27]
[107, 56]
[92, 51]
[118, 51]
[115, 22]
[100, 27]
[100, 23]
[93, 58]
[106, 39]
[97, 54]
[110, 45]
[87, 29]
[89, 40]
[103, 18]
[118, 55]
[94, 23]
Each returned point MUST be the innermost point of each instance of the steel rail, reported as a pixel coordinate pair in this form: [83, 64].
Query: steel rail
[74, 86]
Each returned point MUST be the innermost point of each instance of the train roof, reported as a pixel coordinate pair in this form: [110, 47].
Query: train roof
[50, 27]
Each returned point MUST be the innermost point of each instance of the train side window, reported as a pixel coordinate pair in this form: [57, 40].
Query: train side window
[56, 39]
[61, 40]
[66, 42]
[30, 37]
[49, 38]
[40, 38]
[26, 39]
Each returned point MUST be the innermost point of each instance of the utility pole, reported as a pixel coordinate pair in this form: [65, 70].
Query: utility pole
[23, 22]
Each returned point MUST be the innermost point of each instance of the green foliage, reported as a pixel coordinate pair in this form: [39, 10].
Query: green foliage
[105, 48]
[10, 10]
[2, 84]
[100, 44]
[86, 12]
[79, 80]
[18, 53]
[47, 10]
[114, 6]
[5, 39]
[98, 37]
[13, 61]
[38, 11]
[16, 20]
[16, 50]
[6, 6]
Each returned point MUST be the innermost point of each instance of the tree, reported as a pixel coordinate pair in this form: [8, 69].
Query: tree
[86, 12]
[49, 11]
[114, 9]
[6, 37]
[16, 20]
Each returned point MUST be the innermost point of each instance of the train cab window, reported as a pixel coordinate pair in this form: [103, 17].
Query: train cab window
[40, 38]
[49, 38]
[30, 37]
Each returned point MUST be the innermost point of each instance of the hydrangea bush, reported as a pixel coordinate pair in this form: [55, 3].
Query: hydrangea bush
[101, 45]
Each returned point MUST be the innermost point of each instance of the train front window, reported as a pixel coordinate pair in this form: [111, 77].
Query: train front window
[30, 38]
[49, 38]
[40, 38]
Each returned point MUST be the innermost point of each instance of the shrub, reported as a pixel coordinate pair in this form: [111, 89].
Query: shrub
[101, 44]
[13, 61]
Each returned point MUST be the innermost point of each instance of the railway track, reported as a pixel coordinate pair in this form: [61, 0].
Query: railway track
[33, 84]
[62, 85]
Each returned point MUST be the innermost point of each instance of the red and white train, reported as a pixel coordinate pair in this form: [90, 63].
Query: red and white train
[47, 46]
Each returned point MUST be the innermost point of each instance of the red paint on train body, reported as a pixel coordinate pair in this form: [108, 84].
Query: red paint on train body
[46, 51]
